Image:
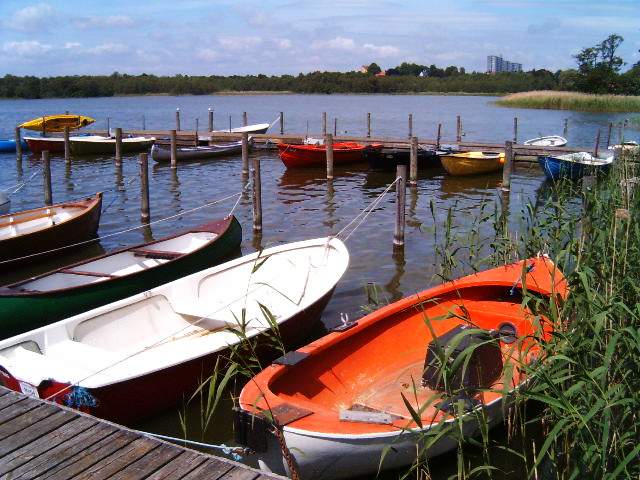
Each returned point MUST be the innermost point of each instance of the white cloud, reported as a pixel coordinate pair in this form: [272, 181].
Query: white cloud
[284, 44]
[27, 48]
[108, 49]
[72, 45]
[382, 51]
[207, 54]
[337, 43]
[31, 18]
[112, 21]
[239, 44]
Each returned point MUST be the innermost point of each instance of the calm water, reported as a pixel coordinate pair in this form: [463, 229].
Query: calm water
[297, 205]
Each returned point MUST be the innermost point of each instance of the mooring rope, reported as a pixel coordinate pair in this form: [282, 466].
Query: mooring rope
[235, 452]
[274, 122]
[21, 184]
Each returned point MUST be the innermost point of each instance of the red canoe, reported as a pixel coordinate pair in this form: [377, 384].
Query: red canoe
[341, 401]
[296, 156]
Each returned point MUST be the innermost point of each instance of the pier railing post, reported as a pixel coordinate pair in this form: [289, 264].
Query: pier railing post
[609, 134]
[410, 125]
[595, 150]
[108, 127]
[328, 143]
[368, 125]
[145, 214]
[438, 136]
[174, 148]
[401, 192]
[245, 120]
[257, 195]
[324, 124]
[178, 119]
[245, 153]
[413, 162]
[508, 166]
[46, 174]
[67, 146]
[458, 129]
[144, 122]
[210, 119]
[118, 146]
[565, 130]
[335, 126]
[18, 144]
[515, 129]
[281, 123]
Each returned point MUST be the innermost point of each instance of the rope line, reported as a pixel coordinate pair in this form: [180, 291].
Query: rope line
[21, 184]
[234, 452]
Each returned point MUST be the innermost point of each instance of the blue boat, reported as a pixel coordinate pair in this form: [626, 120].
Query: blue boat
[573, 165]
[8, 146]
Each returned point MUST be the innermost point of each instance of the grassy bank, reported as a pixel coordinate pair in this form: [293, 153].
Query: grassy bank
[572, 101]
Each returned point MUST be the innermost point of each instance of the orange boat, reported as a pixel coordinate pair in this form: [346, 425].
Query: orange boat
[309, 155]
[341, 401]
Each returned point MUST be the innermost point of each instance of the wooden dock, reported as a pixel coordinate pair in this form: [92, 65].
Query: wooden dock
[39, 439]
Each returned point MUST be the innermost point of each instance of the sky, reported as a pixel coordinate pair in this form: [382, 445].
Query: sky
[198, 37]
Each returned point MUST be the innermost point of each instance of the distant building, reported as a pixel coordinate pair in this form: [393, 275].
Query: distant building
[496, 64]
[383, 73]
[364, 69]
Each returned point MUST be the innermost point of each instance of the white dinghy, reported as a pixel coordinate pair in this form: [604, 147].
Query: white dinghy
[548, 141]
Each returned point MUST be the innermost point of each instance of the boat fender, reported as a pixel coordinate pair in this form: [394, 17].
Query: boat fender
[79, 398]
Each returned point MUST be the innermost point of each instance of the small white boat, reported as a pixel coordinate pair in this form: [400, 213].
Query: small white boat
[134, 357]
[629, 146]
[548, 141]
[256, 128]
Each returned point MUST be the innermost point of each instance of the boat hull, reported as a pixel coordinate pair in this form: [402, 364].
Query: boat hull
[106, 147]
[555, 168]
[300, 156]
[459, 166]
[9, 146]
[387, 159]
[21, 312]
[52, 145]
[163, 155]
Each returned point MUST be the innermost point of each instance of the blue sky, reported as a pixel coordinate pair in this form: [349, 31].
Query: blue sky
[291, 36]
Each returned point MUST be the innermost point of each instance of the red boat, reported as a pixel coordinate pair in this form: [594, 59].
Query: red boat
[296, 155]
[51, 144]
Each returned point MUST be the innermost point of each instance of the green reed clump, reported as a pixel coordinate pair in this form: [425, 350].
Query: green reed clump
[558, 100]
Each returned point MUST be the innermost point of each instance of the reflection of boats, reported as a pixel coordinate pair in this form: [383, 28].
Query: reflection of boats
[390, 158]
[9, 146]
[107, 145]
[88, 284]
[472, 163]
[57, 123]
[468, 186]
[47, 228]
[573, 165]
[344, 399]
[294, 156]
[548, 141]
[135, 357]
[52, 144]
[185, 154]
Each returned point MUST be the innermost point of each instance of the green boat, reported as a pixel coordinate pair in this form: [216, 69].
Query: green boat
[95, 145]
[82, 286]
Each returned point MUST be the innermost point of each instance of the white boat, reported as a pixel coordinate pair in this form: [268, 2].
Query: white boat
[548, 141]
[134, 357]
[256, 128]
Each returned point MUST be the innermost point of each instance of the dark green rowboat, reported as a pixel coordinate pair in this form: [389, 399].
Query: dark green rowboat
[104, 279]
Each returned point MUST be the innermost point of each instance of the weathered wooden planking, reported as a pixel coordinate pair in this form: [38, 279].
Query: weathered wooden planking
[42, 440]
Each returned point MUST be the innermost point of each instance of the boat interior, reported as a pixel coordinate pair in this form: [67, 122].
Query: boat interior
[16, 224]
[119, 264]
[370, 369]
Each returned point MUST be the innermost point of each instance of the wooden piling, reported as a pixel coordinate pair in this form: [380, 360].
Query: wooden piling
[210, 119]
[44, 125]
[515, 129]
[67, 146]
[438, 136]
[245, 153]
[197, 125]
[174, 148]
[144, 122]
[229, 123]
[177, 119]
[324, 124]
[458, 129]
[245, 120]
[18, 144]
[46, 174]
[410, 125]
[508, 166]
[368, 125]
[609, 134]
[257, 195]
[118, 146]
[108, 127]
[413, 162]
[145, 214]
[281, 123]
[595, 150]
[328, 142]
[335, 127]
[566, 128]
[401, 191]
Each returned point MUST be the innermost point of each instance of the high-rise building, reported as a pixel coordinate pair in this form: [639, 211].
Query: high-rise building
[496, 64]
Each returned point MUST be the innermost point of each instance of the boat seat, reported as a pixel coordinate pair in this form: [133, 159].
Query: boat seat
[88, 274]
[159, 254]
[92, 358]
[46, 366]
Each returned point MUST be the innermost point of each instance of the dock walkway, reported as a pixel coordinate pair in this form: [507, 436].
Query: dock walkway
[39, 439]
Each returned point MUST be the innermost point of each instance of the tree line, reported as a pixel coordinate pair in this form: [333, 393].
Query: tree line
[598, 72]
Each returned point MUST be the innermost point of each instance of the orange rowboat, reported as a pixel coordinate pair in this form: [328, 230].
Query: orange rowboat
[295, 156]
[341, 400]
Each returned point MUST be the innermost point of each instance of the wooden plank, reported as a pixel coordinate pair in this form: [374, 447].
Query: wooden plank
[241, 473]
[117, 461]
[10, 398]
[29, 433]
[211, 470]
[18, 408]
[34, 454]
[179, 467]
[26, 419]
[148, 464]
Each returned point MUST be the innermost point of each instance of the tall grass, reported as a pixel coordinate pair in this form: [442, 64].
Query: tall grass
[587, 102]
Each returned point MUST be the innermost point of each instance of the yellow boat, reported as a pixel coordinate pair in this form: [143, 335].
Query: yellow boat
[472, 163]
[56, 123]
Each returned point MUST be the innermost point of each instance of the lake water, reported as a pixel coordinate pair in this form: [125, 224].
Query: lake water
[297, 205]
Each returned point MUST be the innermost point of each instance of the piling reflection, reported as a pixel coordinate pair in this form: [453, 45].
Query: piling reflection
[330, 207]
[174, 188]
[393, 286]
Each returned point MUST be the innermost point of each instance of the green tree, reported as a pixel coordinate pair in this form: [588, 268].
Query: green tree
[374, 69]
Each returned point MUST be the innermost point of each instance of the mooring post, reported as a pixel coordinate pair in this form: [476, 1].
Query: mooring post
[566, 128]
[210, 119]
[174, 148]
[507, 167]
[324, 124]
[145, 215]
[401, 192]
[257, 195]
[46, 173]
[595, 150]
[108, 127]
[245, 153]
[18, 144]
[67, 146]
[178, 119]
[144, 122]
[410, 125]
[438, 136]
[197, 125]
[609, 134]
[44, 126]
[245, 120]
[413, 162]
[229, 123]
[335, 126]
[118, 146]
[368, 125]
[328, 142]
[281, 123]
[515, 129]
[458, 129]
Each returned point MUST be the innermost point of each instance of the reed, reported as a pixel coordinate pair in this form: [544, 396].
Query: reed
[559, 100]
